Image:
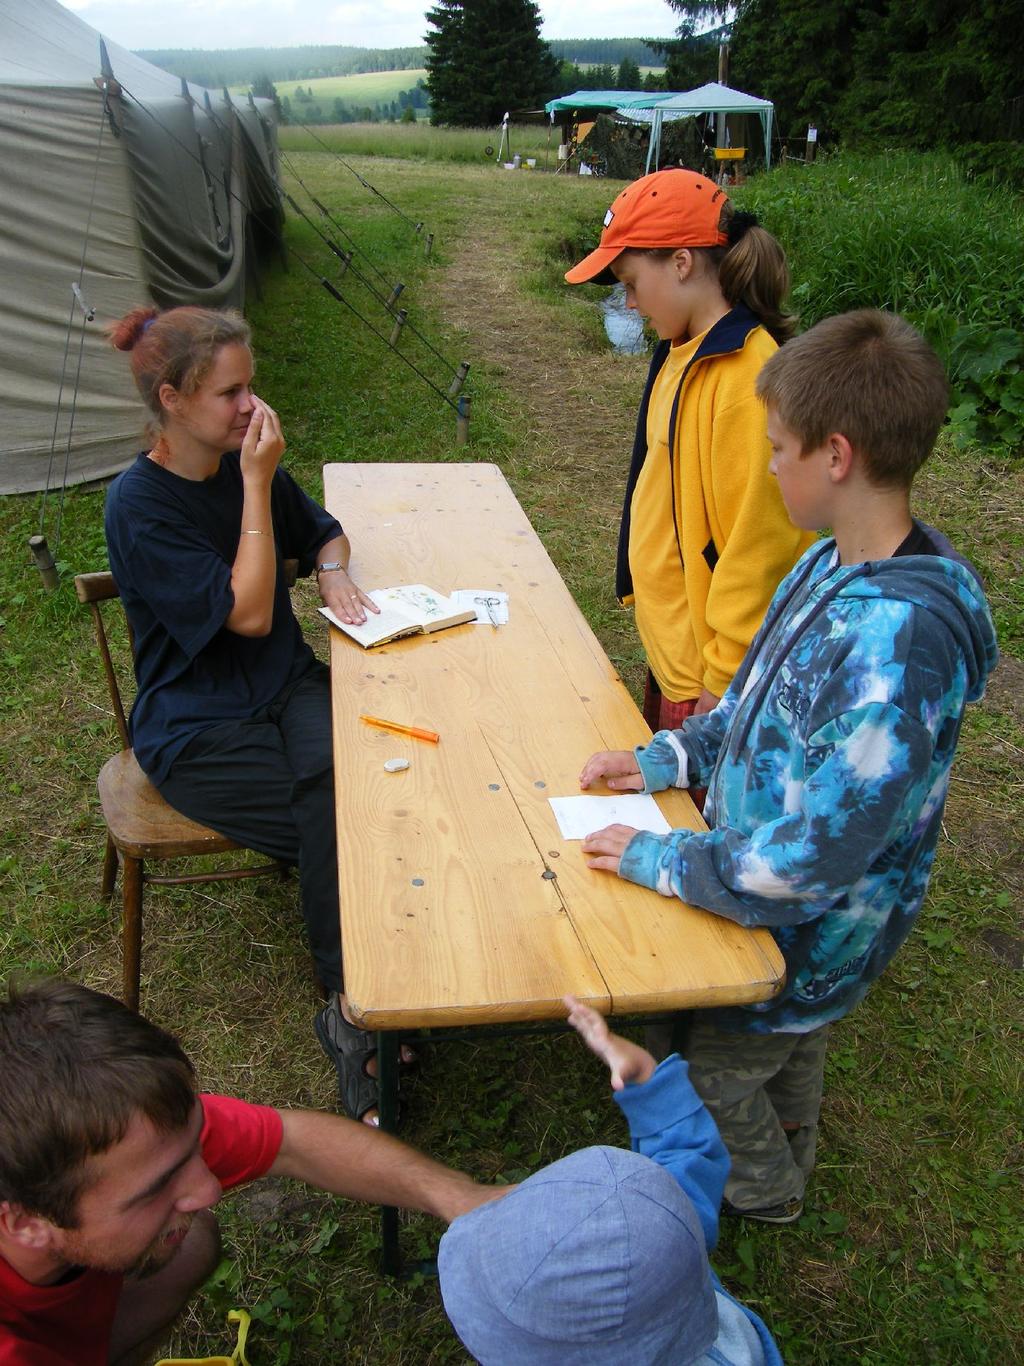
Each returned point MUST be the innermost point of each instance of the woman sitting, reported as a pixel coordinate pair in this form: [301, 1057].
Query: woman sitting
[232, 718]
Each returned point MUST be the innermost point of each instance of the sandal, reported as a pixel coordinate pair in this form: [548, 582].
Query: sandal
[350, 1050]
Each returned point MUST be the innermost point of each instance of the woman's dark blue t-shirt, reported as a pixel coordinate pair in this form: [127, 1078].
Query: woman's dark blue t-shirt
[172, 542]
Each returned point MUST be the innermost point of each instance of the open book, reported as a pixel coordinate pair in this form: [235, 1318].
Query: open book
[404, 611]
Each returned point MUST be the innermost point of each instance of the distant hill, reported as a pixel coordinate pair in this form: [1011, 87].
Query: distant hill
[241, 66]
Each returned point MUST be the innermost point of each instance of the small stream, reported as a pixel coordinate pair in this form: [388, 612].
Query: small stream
[624, 326]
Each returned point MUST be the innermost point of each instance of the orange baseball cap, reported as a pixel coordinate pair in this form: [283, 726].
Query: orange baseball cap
[673, 208]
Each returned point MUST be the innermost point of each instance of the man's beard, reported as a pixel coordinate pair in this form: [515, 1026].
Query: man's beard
[160, 1252]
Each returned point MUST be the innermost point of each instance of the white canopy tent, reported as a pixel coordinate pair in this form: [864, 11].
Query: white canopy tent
[712, 98]
[122, 186]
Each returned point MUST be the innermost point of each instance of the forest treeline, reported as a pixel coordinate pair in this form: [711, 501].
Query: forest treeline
[215, 67]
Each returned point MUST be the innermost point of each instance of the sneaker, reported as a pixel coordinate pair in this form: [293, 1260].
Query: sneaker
[785, 1213]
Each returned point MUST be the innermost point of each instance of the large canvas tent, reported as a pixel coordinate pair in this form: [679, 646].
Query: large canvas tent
[122, 185]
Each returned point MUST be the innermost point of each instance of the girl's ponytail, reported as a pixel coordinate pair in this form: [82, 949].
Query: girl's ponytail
[752, 270]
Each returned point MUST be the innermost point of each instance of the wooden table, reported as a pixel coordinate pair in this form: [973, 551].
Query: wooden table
[461, 904]
[460, 901]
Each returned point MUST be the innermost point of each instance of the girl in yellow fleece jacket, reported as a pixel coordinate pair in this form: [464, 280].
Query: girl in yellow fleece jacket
[705, 538]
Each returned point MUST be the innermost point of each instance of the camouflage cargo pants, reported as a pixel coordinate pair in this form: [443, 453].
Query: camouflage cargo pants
[754, 1085]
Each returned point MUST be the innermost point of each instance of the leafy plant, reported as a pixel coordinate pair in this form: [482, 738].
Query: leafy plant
[988, 382]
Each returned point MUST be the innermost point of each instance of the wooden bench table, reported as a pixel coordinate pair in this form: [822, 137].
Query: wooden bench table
[461, 904]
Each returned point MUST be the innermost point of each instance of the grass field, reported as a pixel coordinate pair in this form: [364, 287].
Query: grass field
[367, 88]
[424, 142]
[910, 1249]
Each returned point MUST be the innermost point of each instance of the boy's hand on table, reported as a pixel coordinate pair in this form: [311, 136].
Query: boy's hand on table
[618, 767]
[627, 1062]
[604, 848]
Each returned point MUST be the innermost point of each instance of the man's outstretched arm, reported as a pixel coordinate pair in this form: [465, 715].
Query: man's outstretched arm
[346, 1158]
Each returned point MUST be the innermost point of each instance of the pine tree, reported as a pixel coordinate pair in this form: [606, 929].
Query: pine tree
[486, 57]
[629, 75]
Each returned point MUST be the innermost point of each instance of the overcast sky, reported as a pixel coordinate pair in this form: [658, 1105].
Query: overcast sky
[358, 23]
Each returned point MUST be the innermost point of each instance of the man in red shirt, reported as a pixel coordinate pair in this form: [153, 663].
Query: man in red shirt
[110, 1162]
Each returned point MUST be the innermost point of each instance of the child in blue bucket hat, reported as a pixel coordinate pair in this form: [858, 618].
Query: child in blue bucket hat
[602, 1258]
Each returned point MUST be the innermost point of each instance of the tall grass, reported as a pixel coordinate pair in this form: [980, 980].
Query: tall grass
[909, 233]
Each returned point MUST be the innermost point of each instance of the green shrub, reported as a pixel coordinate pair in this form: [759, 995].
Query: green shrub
[1000, 161]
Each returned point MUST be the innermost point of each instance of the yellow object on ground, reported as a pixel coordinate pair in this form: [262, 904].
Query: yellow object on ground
[237, 1357]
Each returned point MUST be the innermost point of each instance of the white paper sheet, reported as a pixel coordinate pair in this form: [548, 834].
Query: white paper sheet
[490, 604]
[581, 816]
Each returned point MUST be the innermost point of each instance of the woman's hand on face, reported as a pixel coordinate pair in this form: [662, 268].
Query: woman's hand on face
[346, 599]
[264, 442]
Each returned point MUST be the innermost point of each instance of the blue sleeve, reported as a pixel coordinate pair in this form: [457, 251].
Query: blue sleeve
[866, 786]
[668, 1123]
[685, 757]
[301, 525]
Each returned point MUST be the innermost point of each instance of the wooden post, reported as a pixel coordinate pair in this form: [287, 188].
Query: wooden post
[393, 297]
[812, 144]
[723, 79]
[462, 421]
[396, 331]
[430, 244]
[345, 258]
[44, 562]
[459, 380]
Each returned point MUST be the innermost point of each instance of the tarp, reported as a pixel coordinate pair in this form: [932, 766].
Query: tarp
[595, 99]
[130, 186]
[711, 98]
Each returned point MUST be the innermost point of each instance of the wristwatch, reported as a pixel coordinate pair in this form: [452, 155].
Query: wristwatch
[328, 566]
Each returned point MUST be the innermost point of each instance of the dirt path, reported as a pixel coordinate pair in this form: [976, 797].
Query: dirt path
[575, 407]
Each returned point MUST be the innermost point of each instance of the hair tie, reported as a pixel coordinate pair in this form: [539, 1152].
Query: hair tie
[147, 325]
[739, 225]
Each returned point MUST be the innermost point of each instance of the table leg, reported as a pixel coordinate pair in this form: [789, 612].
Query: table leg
[387, 1108]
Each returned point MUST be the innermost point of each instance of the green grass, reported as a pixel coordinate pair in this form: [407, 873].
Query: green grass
[422, 141]
[910, 1251]
[365, 88]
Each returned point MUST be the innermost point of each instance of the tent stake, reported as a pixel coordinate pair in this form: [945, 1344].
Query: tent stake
[396, 331]
[44, 562]
[459, 380]
[462, 421]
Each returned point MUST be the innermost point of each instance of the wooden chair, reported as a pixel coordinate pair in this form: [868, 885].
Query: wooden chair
[141, 826]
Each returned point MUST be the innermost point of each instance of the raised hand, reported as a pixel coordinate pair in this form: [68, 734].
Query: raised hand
[264, 442]
[627, 1062]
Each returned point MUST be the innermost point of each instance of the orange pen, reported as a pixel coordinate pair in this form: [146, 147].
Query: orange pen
[399, 729]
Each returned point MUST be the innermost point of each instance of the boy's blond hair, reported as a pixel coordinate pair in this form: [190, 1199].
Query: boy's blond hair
[870, 376]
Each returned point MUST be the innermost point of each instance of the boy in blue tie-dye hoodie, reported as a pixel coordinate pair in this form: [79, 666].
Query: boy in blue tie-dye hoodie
[828, 758]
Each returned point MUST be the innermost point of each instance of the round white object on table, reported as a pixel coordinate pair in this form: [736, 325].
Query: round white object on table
[395, 765]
